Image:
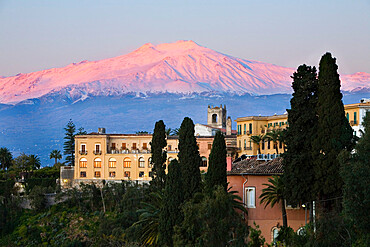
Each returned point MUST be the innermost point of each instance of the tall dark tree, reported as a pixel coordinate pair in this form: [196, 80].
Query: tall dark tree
[172, 200]
[159, 156]
[5, 158]
[69, 143]
[356, 191]
[189, 159]
[334, 133]
[298, 167]
[216, 174]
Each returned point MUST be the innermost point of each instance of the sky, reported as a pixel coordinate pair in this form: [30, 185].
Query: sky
[37, 35]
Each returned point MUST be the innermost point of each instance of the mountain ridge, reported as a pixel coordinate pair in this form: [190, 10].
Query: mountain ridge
[179, 67]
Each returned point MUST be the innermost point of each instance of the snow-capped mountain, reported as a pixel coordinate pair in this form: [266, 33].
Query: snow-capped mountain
[179, 67]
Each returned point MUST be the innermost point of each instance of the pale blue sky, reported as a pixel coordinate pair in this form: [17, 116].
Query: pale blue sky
[36, 35]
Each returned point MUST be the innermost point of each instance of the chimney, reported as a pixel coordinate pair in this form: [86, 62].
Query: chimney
[101, 130]
[228, 126]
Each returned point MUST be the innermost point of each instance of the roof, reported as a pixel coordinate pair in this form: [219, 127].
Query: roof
[257, 167]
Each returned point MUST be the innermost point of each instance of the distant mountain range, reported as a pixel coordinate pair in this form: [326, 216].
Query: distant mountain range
[180, 67]
[130, 93]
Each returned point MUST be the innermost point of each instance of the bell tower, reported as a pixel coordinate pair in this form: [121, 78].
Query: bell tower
[216, 116]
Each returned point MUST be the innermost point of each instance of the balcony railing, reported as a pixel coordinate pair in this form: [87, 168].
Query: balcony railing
[97, 152]
[128, 151]
[83, 152]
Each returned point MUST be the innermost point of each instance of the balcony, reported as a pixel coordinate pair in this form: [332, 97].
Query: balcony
[128, 151]
[249, 132]
[82, 152]
[353, 123]
[97, 152]
[247, 148]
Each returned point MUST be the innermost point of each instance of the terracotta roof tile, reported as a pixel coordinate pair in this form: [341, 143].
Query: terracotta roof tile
[258, 167]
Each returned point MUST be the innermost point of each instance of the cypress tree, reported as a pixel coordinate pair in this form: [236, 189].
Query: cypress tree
[333, 133]
[173, 198]
[159, 156]
[298, 167]
[356, 191]
[69, 143]
[216, 174]
[189, 158]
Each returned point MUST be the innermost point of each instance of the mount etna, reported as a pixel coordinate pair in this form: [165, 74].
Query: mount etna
[129, 93]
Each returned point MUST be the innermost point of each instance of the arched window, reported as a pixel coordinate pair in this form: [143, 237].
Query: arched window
[141, 162]
[83, 162]
[97, 163]
[274, 234]
[112, 163]
[127, 163]
[214, 118]
[150, 165]
[203, 163]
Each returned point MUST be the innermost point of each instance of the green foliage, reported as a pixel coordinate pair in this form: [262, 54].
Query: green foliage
[189, 159]
[212, 221]
[55, 154]
[255, 236]
[173, 198]
[273, 194]
[69, 143]
[216, 174]
[299, 174]
[274, 136]
[159, 156]
[5, 158]
[37, 198]
[356, 192]
[26, 163]
[333, 133]
[44, 182]
[257, 139]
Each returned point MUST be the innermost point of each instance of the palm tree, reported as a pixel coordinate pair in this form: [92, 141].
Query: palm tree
[5, 158]
[34, 162]
[168, 131]
[55, 154]
[274, 136]
[273, 194]
[149, 220]
[257, 140]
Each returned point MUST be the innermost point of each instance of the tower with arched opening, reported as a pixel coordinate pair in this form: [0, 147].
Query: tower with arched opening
[217, 116]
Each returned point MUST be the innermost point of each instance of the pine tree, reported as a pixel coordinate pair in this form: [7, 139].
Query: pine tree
[159, 156]
[355, 173]
[69, 143]
[189, 158]
[216, 174]
[333, 133]
[173, 198]
[299, 175]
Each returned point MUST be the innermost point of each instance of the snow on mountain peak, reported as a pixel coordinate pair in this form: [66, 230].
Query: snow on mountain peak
[182, 66]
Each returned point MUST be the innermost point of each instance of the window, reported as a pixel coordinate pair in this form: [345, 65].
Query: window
[134, 146]
[83, 174]
[141, 162]
[112, 174]
[83, 163]
[150, 174]
[97, 174]
[83, 148]
[97, 149]
[203, 163]
[280, 144]
[239, 129]
[245, 144]
[145, 146]
[250, 128]
[355, 118]
[347, 116]
[113, 146]
[274, 233]
[127, 163]
[150, 165]
[169, 148]
[214, 118]
[251, 197]
[97, 163]
[263, 145]
[141, 174]
[268, 144]
[112, 163]
[240, 144]
[245, 129]
[209, 146]
[123, 147]
[126, 174]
